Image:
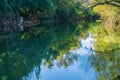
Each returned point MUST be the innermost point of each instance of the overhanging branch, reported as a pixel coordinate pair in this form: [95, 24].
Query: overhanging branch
[112, 2]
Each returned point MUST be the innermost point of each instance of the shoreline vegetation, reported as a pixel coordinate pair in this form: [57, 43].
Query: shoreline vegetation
[18, 24]
[17, 14]
[14, 14]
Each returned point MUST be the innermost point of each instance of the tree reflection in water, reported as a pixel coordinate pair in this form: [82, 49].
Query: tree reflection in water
[21, 52]
[27, 53]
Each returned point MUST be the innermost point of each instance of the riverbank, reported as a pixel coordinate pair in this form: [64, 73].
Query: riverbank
[18, 24]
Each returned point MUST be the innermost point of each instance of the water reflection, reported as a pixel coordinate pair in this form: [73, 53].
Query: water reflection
[21, 52]
[108, 67]
[76, 65]
[56, 52]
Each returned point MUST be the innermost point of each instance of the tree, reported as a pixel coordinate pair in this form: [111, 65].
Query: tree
[65, 8]
[108, 2]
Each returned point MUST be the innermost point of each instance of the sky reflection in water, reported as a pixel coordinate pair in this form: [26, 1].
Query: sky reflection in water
[81, 69]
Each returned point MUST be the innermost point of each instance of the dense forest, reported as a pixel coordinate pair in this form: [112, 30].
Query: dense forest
[49, 8]
[38, 9]
[14, 11]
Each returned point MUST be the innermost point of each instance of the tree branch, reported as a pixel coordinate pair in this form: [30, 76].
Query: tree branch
[106, 2]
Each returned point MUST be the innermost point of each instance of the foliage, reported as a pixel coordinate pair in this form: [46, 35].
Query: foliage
[109, 15]
[107, 64]
[113, 3]
[109, 31]
[27, 8]
[47, 9]
[107, 43]
[66, 8]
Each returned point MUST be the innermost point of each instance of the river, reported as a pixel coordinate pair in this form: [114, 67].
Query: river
[57, 52]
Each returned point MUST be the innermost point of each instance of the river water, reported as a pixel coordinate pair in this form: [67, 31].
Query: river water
[56, 52]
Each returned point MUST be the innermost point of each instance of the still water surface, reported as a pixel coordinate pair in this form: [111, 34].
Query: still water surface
[79, 69]
[56, 52]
